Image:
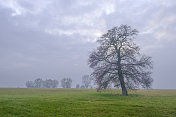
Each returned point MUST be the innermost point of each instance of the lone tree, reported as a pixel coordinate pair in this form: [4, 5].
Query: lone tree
[118, 60]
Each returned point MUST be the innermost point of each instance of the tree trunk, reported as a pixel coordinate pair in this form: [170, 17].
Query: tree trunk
[122, 83]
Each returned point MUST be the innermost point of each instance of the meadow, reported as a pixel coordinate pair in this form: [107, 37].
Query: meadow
[23, 102]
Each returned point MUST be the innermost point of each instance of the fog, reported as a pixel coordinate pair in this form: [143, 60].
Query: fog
[53, 39]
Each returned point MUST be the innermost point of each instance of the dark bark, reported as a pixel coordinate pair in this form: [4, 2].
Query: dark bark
[122, 83]
[118, 60]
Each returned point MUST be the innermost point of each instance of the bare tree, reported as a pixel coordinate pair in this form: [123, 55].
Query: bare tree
[38, 83]
[82, 86]
[77, 86]
[55, 83]
[86, 80]
[118, 60]
[30, 84]
[66, 82]
[49, 83]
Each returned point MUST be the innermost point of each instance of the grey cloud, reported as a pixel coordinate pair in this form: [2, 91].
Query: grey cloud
[27, 54]
[54, 39]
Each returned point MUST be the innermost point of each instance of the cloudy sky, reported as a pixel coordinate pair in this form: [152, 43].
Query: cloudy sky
[53, 38]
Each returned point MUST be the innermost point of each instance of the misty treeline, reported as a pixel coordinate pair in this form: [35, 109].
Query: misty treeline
[40, 83]
[65, 83]
[49, 83]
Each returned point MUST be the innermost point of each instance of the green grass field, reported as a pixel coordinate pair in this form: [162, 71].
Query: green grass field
[86, 103]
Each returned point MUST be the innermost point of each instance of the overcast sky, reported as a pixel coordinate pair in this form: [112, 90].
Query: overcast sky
[53, 38]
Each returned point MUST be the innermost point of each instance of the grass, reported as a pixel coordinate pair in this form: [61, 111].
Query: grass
[86, 103]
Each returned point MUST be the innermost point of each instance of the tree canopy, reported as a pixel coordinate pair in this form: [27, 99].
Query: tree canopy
[117, 60]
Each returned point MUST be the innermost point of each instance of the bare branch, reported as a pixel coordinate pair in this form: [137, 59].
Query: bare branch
[119, 61]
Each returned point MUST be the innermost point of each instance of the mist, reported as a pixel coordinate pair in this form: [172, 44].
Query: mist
[53, 39]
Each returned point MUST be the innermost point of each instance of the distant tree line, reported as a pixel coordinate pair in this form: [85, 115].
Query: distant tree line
[65, 83]
[39, 83]
[49, 83]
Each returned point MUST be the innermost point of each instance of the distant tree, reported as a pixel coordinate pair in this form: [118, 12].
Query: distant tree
[55, 83]
[66, 82]
[118, 60]
[82, 86]
[38, 83]
[30, 84]
[86, 80]
[47, 83]
[77, 86]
